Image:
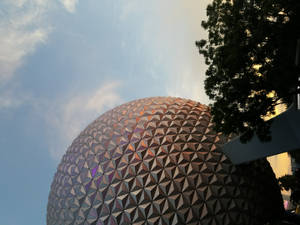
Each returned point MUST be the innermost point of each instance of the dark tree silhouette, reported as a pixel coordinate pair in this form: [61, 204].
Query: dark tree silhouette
[250, 52]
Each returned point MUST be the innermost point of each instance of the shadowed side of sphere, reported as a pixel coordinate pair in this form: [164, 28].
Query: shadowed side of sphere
[158, 161]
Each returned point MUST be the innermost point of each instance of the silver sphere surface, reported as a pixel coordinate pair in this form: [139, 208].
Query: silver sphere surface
[158, 161]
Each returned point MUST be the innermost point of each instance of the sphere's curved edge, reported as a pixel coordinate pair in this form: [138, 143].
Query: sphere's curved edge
[157, 160]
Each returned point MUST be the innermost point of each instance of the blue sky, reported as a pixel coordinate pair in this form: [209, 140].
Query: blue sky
[63, 63]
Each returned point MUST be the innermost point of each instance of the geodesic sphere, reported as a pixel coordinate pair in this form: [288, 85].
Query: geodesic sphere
[158, 161]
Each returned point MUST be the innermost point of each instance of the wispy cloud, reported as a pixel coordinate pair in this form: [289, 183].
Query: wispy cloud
[21, 30]
[187, 83]
[128, 7]
[70, 5]
[187, 78]
[9, 99]
[67, 118]
[168, 34]
[176, 35]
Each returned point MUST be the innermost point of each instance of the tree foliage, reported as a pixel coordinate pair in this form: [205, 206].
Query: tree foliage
[291, 182]
[250, 52]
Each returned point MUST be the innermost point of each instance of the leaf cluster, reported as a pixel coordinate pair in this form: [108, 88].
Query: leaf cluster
[250, 53]
[291, 182]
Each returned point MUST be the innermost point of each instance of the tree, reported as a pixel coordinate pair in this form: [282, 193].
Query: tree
[250, 52]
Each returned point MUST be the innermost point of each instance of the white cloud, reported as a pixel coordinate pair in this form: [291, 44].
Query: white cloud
[70, 5]
[71, 116]
[15, 45]
[79, 109]
[21, 30]
[23, 27]
[8, 99]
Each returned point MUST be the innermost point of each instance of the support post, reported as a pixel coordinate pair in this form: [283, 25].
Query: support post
[297, 62]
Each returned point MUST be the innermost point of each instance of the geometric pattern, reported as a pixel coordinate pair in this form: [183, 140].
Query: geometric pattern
[158, 161]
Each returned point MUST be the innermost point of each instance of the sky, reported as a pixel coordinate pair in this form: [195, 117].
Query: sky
[65, 62]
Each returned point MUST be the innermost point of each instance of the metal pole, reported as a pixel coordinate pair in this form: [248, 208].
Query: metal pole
[297, 62]
[298, 94]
